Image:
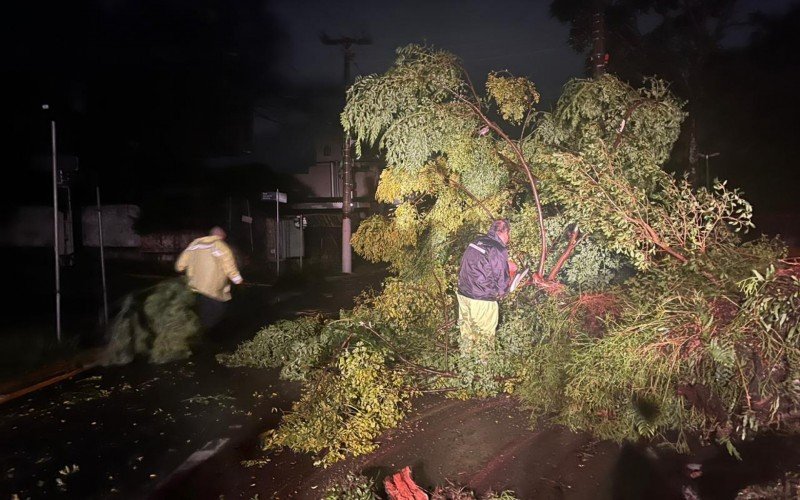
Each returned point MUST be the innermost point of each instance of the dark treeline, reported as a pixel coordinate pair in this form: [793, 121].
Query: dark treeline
[736, 70]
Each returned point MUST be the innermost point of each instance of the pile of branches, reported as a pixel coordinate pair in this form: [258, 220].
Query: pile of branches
[680, 352]
[157, 323]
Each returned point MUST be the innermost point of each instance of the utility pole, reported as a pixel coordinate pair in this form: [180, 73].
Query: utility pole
[598, 57]
[347, 157]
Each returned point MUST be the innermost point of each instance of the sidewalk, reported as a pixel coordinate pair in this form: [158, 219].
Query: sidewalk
[49, 374]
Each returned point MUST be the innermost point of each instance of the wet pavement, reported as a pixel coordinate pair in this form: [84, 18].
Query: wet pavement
[124, 432]
[190, 430]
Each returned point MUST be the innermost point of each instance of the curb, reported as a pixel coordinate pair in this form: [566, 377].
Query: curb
[47, 376]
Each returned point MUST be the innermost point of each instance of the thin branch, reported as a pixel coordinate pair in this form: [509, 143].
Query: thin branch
[466, 191]
[628, 113]
[523, 164]
[525, 124]
[405, 360]
[573, 242]
[470, 84]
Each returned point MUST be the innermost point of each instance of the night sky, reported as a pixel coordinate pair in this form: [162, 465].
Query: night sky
[149, 89]
[480, 33]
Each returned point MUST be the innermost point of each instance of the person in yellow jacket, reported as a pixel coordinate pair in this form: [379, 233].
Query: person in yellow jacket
[210, 267]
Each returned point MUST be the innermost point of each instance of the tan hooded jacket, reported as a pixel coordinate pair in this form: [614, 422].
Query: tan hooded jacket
[209, 264]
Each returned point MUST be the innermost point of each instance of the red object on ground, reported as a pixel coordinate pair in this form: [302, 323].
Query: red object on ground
[400, 486]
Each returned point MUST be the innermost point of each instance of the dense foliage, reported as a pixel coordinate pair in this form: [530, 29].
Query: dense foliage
[646, 313]
[158, 323]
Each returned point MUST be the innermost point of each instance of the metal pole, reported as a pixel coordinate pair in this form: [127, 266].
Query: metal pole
[102, 255]
[249, 215]
[277, 234]
[55, 229]
[302, 239]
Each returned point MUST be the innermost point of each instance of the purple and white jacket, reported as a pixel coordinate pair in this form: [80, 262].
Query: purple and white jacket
[484, 269]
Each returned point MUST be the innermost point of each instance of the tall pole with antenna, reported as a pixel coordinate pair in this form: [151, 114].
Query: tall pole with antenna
[347, 157]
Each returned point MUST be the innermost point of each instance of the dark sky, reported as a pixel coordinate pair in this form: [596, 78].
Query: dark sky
[147, 87]
[517, 35]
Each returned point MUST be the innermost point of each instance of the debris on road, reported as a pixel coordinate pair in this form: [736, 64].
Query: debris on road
[400, 486]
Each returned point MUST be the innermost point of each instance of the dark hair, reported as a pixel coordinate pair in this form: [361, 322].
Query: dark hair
[499, 226]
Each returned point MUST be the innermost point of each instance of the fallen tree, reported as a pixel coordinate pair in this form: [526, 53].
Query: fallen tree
[647, 315]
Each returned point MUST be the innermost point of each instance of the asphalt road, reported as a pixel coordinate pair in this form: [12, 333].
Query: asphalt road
[189, 430]
[136, 430]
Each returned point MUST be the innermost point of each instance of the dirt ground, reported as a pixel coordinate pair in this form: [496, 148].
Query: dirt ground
[183, 430]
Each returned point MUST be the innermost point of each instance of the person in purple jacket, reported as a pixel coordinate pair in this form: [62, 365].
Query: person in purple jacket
[483, 279]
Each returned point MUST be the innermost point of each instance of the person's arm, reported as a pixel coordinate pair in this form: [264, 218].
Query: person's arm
[182, 262]
[499, 263]
[228, 263]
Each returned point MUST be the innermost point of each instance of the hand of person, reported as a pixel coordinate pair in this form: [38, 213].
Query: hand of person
[512, 268]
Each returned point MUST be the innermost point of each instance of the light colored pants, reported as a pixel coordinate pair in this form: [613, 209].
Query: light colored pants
[477, 320]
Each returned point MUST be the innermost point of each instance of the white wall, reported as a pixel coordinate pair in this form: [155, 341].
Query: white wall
[319, 178]
[118, 221]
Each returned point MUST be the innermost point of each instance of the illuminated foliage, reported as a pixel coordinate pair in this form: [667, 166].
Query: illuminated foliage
[515, 97]
[600, 155]
[341, 411]
[681, 349]
[296, 347]
[637, 320]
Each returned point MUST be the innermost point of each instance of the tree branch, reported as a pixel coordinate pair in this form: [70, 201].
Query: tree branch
[405, 360]
[523, 164]
[573, 242]
[466, 191]
[628, 113]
